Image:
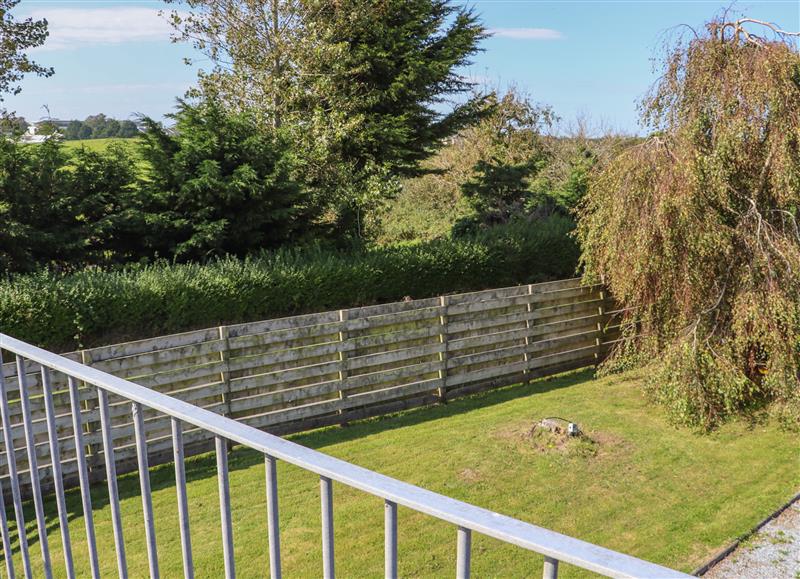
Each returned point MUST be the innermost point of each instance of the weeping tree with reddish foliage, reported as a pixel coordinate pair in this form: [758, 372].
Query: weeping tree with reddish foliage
[695, 231]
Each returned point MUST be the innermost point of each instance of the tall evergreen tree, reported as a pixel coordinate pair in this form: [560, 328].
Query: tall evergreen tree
[362, 87]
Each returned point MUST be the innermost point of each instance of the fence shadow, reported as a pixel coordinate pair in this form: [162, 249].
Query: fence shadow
[203, 466]
[332, 435]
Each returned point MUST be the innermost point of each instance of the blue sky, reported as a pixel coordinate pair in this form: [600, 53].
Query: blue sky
[590, 59]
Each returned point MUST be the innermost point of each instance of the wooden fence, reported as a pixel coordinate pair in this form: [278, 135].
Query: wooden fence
[291, 374]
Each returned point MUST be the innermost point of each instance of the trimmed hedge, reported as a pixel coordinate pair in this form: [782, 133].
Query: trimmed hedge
[93, 307]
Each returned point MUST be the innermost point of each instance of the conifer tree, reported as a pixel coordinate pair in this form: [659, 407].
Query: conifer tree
[363, 88]
[218, 185]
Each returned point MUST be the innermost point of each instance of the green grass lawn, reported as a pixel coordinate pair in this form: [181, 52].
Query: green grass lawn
[643, 487]
[99, 144]
[131, 145]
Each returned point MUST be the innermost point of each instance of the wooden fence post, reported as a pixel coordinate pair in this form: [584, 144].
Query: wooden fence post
[444, 302]
[343, 337]
[527, 355]
[600, 327]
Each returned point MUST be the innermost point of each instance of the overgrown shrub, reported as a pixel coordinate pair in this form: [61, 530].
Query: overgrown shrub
[94, 306]
[215, 185]
[696, 230]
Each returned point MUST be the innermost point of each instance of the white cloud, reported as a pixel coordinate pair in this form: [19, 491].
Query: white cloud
[75, 27]
[527, 33]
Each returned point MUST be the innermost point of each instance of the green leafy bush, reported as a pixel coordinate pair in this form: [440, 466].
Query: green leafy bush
[95, 306]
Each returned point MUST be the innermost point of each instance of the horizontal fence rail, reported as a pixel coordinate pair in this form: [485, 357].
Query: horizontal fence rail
[141, 402]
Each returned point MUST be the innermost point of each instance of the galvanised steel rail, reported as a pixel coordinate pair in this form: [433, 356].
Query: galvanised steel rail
[465, 517]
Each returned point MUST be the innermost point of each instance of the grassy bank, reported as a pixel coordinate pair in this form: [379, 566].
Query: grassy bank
[94, 307]
[642, 487]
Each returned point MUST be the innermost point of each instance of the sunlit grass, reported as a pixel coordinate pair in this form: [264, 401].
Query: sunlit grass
[664, 494]
[100, 144]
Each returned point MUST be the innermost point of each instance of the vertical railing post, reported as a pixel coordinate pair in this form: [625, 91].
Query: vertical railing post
[11, 458]
[83, 474]
[326, 496]
[111, 480]
[33, 467]
[225, 506]
[90, 428]
[272, 518]
[58, 481]
[444, 302]
[183, 503]
[550, 568]
[463, 553]
[225, 374]
[390, 539]
[144, 484]
[7, 553]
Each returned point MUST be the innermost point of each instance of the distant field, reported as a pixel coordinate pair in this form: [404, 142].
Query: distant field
[99, 144]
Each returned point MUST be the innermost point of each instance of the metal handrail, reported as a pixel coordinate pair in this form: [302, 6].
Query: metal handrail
[468, 518]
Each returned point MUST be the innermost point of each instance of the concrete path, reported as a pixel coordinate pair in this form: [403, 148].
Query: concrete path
[772, 553]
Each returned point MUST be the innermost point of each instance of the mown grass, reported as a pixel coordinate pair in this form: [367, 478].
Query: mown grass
[668, 495]
[131, 146]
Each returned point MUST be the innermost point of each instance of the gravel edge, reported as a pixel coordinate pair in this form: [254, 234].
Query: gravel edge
[726, 551]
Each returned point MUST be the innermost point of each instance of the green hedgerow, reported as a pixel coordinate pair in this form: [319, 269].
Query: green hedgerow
[94, 306]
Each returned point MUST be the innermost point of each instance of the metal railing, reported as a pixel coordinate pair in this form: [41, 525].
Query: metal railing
[465, 517]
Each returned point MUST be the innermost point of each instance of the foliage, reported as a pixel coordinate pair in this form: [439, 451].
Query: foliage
[572, 160]
[500, 188]
[62, 208]
[425, 208]
[16, 37]
[94, 306]
[12, 125]
[565, 194]
[507, 142]
[215, 185]
[362, 90]
[46, 128]
[219, 185]
[100, 127]
[696, 230]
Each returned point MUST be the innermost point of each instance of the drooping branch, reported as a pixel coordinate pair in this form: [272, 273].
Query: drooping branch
[695, 231]
[739, 30]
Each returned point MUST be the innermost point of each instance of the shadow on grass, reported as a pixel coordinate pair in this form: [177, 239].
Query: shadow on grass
[336, 434]
[203, 466]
